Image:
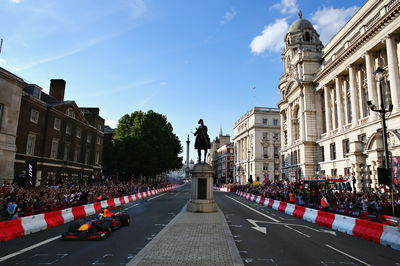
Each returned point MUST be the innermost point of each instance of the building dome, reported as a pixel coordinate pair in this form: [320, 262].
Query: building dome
[301, 25]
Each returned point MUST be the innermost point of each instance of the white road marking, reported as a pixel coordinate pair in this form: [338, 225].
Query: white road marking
[344, 253]
[257, 227]
[135, 205]
[301, 233]
[269, 217]
[28, 248]
[155, 197]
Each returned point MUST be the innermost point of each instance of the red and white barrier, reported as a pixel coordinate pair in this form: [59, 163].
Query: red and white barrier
[379, 233]
[30, 224]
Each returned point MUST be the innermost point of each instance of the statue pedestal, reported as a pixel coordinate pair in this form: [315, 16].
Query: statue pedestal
[202, 199]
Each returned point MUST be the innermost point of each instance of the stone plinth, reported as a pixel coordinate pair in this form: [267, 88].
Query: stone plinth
[202, 199]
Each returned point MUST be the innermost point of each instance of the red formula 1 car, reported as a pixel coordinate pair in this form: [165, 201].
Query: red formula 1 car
[109, 219]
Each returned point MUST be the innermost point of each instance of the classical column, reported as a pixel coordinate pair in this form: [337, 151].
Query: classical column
[289, 125]
[339, 106]
[360, 89]
[327, 110]
[283, 122]
[393, 72]
[371, 83]
[302, 129]
[355, 111]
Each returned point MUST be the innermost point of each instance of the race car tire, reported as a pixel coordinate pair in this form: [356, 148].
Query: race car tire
[125, 219]
[74, 226]
[107, 228]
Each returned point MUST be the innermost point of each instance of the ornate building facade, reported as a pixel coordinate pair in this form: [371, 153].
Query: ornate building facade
[327, 127]
[10, 101]
[256, 145]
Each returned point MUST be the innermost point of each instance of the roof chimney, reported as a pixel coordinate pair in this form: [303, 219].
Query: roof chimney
[57, 89]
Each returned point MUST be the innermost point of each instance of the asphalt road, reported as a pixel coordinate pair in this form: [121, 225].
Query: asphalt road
[148, 217]
[268, 237]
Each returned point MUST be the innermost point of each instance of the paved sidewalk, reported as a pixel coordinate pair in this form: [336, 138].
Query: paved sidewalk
[191, 239]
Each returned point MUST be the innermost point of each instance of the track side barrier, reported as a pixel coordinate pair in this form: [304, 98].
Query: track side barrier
[379, 233]
[30, 224]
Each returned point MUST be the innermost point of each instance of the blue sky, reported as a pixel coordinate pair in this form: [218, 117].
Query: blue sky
[185, 59]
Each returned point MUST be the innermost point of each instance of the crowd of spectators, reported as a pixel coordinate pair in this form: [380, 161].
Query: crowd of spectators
[376, 202]
[17, 201]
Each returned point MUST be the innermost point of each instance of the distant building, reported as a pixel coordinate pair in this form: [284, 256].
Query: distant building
[257, 144]
[224, 164]
[217, 143]
[61, 141]
[10, 101]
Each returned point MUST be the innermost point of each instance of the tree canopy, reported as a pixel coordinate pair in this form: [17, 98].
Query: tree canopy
[145, 145]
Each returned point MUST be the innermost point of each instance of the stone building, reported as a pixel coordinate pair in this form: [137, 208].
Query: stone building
[62, 141]
[224, 164]
[257, 144]
[327, 127]
[10, 101]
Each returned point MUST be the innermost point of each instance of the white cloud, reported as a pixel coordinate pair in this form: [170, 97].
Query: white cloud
[329, 20]
[15, 1]
[111, 123]
[271, 38]
[229, 15]
[163, 83]
[137, 8]
[287, 7]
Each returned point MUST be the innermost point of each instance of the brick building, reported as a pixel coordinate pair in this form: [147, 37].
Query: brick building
[61, 140]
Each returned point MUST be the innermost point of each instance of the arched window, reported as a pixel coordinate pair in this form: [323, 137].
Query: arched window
[306, 37]
[296, 123]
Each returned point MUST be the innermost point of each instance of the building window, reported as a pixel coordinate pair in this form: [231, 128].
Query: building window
[70, 112]
[98, 140]
[57, 123]
[265, 167]
[78, 132]
[77, 151]
[34, 116]
[30, 144]
[363, 139]
[265, 152]
[265, 121]
[346, 147]
[97, 157]
[66, 151]
[1, 113]
[275, 122]
[89, 138]
[265, 135]
[334, 172]
[333, 151]
[54, 149]
[322, 154]
[68, 129]
[99, 126]
[87, 156]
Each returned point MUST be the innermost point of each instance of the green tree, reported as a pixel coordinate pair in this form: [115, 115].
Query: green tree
[145, 145]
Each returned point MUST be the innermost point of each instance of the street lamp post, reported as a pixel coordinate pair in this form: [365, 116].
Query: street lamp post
[382, 113]
[248, 165]
[274, 140]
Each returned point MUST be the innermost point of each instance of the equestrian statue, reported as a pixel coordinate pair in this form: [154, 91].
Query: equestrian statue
[202, 141]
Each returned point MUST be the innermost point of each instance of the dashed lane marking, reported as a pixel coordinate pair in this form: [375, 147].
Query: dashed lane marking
[269, 217]
[301, 233]
[28, 248]
[348, 255]
[156, 197]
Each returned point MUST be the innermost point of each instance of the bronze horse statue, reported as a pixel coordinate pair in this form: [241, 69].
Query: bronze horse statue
[202, 141]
